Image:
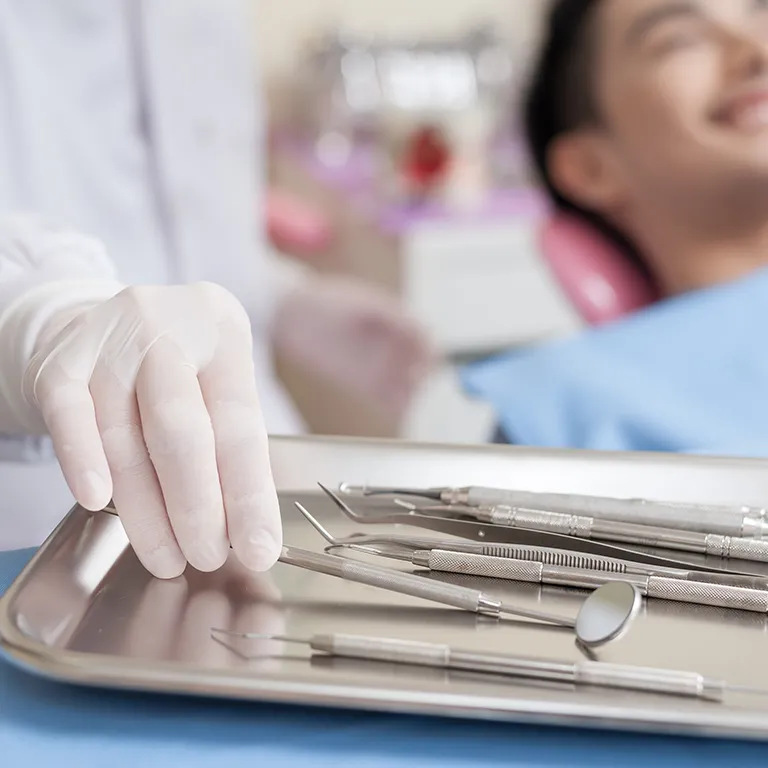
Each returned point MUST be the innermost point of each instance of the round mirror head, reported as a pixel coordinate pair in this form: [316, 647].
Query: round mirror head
[607, 613]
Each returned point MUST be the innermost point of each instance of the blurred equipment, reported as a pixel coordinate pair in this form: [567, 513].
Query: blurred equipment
[296, 228]
[398, 94]
[425, 162]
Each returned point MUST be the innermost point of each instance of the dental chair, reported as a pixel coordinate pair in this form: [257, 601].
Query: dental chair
[597, 279]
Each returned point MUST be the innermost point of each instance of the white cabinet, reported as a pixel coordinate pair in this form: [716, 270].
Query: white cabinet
[481, 286]
[478, 288]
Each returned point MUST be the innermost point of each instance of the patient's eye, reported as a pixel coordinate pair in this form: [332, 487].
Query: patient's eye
[678, 35]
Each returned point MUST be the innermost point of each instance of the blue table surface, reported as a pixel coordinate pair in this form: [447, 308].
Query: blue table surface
[46, 723]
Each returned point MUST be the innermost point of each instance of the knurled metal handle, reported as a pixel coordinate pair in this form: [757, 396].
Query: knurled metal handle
[731, 580]
[721, 519]
[739, 549]
[479, 565]
[515, 517]
[708, 594]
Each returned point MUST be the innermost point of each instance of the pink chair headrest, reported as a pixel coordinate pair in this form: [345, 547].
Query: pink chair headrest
[599, 280]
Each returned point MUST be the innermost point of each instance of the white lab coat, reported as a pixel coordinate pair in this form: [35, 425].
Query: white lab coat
[137, 122]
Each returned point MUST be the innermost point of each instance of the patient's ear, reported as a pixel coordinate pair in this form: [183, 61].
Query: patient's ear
[581, 167]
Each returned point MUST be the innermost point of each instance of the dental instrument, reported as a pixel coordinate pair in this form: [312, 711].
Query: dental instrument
[587, 673]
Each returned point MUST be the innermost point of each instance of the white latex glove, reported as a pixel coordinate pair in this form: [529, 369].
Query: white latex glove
[356, 336]
[150, 399]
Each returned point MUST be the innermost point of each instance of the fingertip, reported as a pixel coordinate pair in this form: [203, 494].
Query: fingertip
[259, 551]
[209, 558]
[93, 491]
[165, 563]
[168, 574]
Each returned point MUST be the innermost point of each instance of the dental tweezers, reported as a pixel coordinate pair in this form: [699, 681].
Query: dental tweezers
[742, 521]
[589, 673]
[628, 533]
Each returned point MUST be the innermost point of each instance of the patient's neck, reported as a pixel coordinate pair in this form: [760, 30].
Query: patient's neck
[685, 257]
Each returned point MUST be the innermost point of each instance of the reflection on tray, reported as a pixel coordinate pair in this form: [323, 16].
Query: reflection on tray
[415, 675]
[706, 614]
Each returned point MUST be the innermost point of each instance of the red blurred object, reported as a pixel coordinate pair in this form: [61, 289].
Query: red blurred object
[295, 227]
[425, 160]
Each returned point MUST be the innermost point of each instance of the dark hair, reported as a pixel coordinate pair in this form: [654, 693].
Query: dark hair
[561, 99]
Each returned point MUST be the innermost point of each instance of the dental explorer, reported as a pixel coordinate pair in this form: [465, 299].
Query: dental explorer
[587, 673]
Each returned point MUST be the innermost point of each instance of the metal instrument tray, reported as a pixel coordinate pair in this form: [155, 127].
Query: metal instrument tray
[84, 611]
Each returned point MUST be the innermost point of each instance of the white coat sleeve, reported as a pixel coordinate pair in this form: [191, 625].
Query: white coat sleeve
[43, 271]
[282, 276]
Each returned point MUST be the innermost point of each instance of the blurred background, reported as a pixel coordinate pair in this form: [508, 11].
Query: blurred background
[395, 156]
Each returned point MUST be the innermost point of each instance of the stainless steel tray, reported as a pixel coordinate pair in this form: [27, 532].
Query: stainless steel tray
[84, 611]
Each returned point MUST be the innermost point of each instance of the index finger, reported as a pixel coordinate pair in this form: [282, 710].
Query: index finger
[228, 384]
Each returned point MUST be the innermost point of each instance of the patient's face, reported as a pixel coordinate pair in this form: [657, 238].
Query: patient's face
[683, 87]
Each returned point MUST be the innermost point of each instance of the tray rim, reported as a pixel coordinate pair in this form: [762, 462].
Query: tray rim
[169, 679]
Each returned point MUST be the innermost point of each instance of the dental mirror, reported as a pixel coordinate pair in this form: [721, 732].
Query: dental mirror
[607, 613]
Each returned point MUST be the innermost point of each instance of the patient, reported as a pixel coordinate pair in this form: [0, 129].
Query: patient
[649, 119]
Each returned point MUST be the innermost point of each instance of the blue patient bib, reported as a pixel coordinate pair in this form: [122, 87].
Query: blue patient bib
[689, 374]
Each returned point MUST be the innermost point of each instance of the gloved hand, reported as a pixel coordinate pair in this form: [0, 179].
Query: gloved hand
[150, 400]
[356, 336]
